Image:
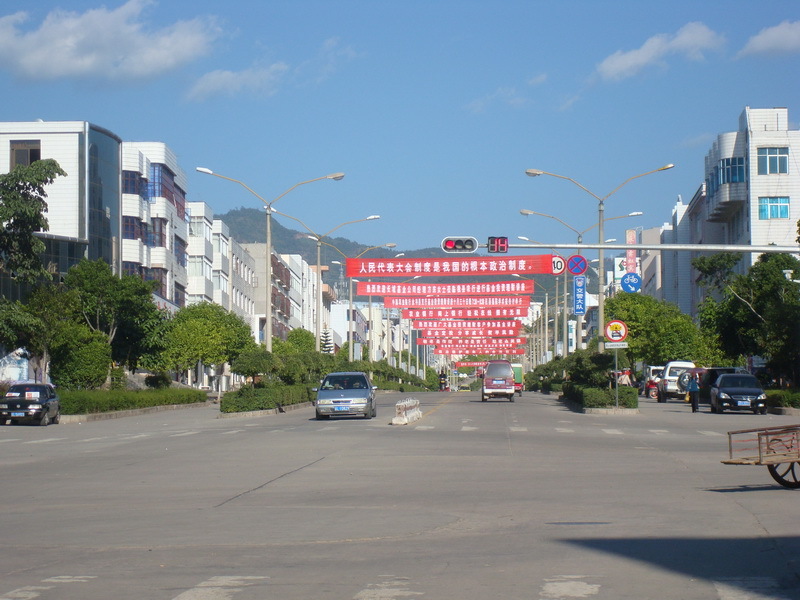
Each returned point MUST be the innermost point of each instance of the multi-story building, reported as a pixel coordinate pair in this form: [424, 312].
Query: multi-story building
[83, 208]
[200, 285]
[155, 221]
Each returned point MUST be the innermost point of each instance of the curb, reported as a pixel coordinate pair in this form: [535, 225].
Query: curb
[119, 414]
[262, 413]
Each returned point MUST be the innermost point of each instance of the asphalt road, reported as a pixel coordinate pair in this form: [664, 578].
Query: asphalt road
[523, 500]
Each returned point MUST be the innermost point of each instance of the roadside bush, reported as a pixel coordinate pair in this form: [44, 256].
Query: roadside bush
[594, 397]
[158, 381]
[82, 361]
[80, 402]
[264, 397]
[783, 398]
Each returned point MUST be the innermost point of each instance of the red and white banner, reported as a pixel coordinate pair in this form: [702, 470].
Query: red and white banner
[438, 324]
[497, 288]
[474, 265]
[630, 255]
[472, 342]
[480, 332]
[464, 313]
[490, 351]
[457, 302]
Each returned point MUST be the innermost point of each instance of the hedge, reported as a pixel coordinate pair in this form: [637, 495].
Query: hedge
[267, 397]
[593, 397]
[783, 398]
[81, 402]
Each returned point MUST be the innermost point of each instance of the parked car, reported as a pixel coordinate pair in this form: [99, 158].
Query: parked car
[668, 384]
[706, 377]
[346, 393]
[30, 403]
[498, 380]
[738, 391]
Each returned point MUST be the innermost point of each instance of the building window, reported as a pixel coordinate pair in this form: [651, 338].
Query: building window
[133, 228]
[773, 161]
[161, 276]
[157, 236]
[25, 152]
[132, 268]
[179, 248]
[773, 208]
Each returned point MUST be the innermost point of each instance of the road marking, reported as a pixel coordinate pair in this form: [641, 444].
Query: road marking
[748, 588]
[396, 587]
[709, 432]
[184, 434]
[44, 441]
[232, 431]
[465, 428]
[69, 579]
[658, 431]
[424, 427]
[95, 439]
[220, 588]
[564, 430]
[518, 429]
[563, 587]
[11, 440]
[29, 592]
[612, 431]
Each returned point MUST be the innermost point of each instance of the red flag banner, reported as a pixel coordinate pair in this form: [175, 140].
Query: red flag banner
[475, 265]
[497, 288]
[472, 342]
[457, 301]
[490, 351]
[480, 332]
[464, 313]
[439, 324]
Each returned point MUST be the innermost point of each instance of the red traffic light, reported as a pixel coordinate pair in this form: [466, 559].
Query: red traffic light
[459, 244]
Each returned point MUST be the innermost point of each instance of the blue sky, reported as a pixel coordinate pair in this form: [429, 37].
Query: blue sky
[433, 109]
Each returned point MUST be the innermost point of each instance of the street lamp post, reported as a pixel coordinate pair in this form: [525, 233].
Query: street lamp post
[600, 214]
[526, 212]
[318, 238]
[268, 258]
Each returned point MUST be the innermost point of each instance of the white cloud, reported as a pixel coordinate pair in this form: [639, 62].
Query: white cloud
[326, 63]
[257, 80]
[690, 41]
[504, 95]
[538, 79]
[101, 44]
[780, 39]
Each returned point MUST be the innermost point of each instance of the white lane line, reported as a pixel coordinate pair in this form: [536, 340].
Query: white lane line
[11, 440]
[659, 431]
[612, 431]
[220, 588]
[563, 587]
[520, 429]
[44, 441]
[469, 429]
[709, 432]
[184, 434]
[564, 430]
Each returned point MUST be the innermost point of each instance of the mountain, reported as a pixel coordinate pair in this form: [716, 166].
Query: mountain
[249, 225]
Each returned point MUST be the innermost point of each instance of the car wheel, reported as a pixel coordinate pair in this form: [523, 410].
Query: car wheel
[45, 420]
[511, 398]
[3, 421]
[374, 410]
[368, 413]
[763, 410]
[483, 398]
[57, 417]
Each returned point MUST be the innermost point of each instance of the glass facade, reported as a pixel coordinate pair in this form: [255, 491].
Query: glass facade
[104, 194]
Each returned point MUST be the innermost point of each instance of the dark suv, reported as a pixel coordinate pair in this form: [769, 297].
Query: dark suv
[498, 380]
[30, 403]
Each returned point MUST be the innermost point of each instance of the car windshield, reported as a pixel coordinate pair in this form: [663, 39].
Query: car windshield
[344, 382]
[741, 381]
[28, 391]
[499, 370]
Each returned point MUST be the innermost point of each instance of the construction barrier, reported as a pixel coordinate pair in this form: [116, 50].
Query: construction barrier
[407, 411]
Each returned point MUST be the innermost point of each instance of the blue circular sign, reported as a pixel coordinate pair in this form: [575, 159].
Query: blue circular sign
[577, 265]
[631, 282]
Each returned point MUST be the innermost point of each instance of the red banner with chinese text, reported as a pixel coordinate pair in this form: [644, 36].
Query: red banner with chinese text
[464, 313]
[490, 351]
[437, 267]
[457, 302]
[496, 288]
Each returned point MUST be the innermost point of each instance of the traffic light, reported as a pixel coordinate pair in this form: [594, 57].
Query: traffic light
[497, 245]
[459, 244]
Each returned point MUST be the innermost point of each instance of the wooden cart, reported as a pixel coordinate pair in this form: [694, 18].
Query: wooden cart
[776, 447]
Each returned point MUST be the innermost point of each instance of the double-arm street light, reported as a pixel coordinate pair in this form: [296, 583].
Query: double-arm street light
[350, 316]
[600, 214]
[268, 259]
[318, 238]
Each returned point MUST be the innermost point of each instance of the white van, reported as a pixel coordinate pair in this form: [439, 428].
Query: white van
[668, 384]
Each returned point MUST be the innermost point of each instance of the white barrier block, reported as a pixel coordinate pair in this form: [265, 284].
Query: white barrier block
[407, 411]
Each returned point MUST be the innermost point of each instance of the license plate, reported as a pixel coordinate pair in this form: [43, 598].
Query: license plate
[17, 414]
[743, 403]
[342, 408]
[499, 381]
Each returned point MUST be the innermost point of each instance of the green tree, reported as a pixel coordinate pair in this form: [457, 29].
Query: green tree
[256, 362]
[657, 330]
[121, 308]
[80, 358]
[22, 208]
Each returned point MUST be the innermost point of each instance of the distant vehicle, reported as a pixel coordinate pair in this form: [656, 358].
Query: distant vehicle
[498, 381]
[668, 384]
[518, 377]
[706, 377]
[651, 376]
[30, 403]
[738, 391]
[346, 393]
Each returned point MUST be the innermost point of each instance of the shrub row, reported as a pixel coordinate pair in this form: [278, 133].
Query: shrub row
[266, 397]
[80, 402]
[594, 397]
[783, 398]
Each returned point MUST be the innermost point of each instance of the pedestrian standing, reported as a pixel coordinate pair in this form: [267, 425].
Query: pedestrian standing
[693, 388]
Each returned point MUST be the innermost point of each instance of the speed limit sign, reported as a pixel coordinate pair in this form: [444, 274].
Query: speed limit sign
[559, 264]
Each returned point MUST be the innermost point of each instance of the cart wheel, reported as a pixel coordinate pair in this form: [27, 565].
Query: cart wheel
[787, 474]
